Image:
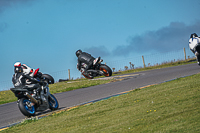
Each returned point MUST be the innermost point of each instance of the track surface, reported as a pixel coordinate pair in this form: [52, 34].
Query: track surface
[9, 113]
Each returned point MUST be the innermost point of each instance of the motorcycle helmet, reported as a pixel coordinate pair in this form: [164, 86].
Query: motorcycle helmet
[193, 35]
[18, 67]
[17, 64]
[78, 52]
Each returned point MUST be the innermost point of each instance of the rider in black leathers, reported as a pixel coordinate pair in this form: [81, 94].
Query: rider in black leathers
[86, 58]
[20, 79]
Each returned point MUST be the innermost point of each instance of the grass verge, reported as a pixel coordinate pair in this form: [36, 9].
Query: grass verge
[159, 66]
[168, 107]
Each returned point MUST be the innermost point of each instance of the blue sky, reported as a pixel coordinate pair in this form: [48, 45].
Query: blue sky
[46, 33]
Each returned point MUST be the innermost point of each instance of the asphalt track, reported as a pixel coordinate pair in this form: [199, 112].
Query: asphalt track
[9, 113]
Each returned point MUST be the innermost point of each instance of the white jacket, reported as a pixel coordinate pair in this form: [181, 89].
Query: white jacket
[193, 42]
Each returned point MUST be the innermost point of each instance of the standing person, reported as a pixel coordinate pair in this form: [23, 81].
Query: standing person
[194, 44]
[86, 58]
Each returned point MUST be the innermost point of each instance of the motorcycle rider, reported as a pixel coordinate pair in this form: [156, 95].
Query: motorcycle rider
[194, 44]
[23, 79]
[86, 58]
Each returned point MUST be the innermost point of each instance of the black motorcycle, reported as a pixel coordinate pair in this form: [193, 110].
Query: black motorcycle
[98, 69]
[29, 102]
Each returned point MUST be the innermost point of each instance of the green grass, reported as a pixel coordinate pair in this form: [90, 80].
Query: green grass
[77, 84]
[7, 96]
[159, 66]
[168, 107]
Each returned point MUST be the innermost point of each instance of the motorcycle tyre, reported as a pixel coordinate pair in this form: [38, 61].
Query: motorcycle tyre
[24, 109]
[106, 69]
[87, 77]
[48, 78]
[52, 108]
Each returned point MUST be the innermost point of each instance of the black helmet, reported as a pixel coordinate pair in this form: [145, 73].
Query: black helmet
[193, 35]
[78, 52]
[18, 68]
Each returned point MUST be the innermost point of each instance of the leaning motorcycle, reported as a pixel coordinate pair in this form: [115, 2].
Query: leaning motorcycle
[29, 102]
[98, 69]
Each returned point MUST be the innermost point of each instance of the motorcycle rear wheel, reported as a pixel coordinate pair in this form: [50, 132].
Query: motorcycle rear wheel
[48, 78]
[106, 69]
[26, 107]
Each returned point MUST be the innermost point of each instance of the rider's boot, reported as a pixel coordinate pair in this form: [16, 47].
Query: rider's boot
[38, 95]
[38, 92]
[198, 58]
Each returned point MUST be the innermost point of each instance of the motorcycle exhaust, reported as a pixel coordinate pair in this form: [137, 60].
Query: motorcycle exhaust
[32, 98]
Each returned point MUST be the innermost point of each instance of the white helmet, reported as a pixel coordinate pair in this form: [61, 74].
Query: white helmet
[18, 67]
[17, 64]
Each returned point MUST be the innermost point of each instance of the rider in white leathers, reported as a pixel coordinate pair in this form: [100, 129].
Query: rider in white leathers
[194, 44]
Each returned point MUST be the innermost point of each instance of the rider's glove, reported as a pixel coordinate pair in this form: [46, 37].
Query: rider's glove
[82, 70]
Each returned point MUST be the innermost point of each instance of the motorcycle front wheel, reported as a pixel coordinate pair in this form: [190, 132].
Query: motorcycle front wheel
[87, 77]
[48, 78]
[106, 69]
[26, 107]
[53, 102]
